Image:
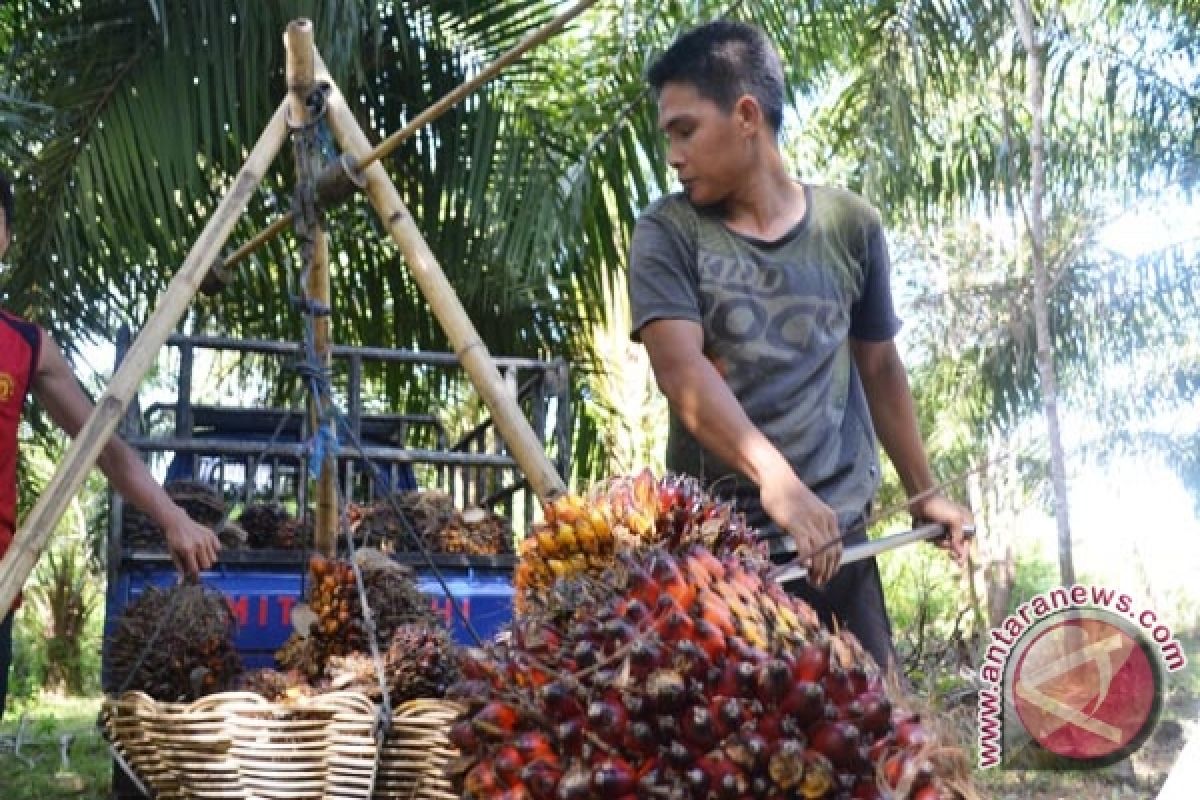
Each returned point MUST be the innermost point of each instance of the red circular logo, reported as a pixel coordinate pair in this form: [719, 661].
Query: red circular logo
[1085, 687]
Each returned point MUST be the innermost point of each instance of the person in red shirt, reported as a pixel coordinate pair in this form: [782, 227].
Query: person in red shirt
[31, 363]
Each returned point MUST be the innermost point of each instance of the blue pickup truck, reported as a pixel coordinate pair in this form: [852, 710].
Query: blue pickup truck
[258, 452]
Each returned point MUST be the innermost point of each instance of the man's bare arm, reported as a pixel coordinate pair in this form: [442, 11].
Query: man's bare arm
[193, 546]
[706, 406]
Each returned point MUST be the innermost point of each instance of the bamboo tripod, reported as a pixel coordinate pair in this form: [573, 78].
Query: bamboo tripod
[305, 72]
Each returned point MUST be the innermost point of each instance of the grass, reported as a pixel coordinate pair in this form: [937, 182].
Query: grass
[49, 717]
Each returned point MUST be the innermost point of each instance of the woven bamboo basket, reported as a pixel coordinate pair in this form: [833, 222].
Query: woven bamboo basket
[239, 745]
[416, 752]
[125, 722]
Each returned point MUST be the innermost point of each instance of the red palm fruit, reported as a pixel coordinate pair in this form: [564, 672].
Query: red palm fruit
[612, 777]
[678, 755]
[541, 777]
[727, 712]
[645, 653]
[507, 763]
[481, 781]
[698, 727]
[607, 717]
[534, 745]
[804, 701]
[711, 564]
[876, 712]
[725, 780]
[616, 632]
[585, 653]
[636, 705]
[633, 611]
[716, 612]
[912, 734]
[667, 727]
[775, 726]
[569, 733]
[785, 765]
[837, 741]
[772, 681]
[666, 689]
[462, 736]
[858, 679]
[837, 686]
[575, 784]
[640, 586]
[711, 639]
[557, 698]
[697, 781]
[641, 739]
[926, 793]
[866, 789]
[811, 662]
[496, 719]
[675, 625]
[819, 776]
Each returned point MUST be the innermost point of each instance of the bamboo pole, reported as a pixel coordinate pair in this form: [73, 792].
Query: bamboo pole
[448, 101]
[85, 449]
[298, 41]
[469, 348]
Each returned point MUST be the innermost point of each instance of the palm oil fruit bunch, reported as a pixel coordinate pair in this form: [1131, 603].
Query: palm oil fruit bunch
[333, 598]
[174, 644]
[579, 536]
[691, 676]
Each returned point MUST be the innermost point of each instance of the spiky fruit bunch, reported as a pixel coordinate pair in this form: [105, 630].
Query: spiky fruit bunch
[476, 532]
[438, 526]
[174, 644]
[419, 662]
[333, 597]
[580, 535]
[268, 525]
[689, 676]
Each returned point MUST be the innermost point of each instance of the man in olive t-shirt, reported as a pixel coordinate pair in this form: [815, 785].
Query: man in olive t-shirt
[765, 307]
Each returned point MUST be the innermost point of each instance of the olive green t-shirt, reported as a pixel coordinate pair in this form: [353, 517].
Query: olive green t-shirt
[776, 317]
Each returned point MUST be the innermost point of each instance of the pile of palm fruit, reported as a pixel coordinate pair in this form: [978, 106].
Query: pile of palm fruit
[439, 527]
[270, 526]
[654, 657]
[330, 647]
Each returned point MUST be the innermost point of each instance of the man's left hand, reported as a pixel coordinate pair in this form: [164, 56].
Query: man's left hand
[937, 508]
[193, 547]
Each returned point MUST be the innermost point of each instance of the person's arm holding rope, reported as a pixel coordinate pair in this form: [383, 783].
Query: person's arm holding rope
[193, 547]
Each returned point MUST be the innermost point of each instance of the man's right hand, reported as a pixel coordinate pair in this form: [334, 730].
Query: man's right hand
[813, 525]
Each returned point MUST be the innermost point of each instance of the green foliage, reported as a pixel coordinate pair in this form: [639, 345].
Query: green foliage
[931, 616]
[50, 717]
[1035, 573]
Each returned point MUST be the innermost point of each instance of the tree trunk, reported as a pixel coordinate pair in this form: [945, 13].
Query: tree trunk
[1035, 76]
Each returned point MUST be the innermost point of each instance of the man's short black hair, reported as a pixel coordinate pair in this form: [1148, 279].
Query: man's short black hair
[6, 199]
[725, 60]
